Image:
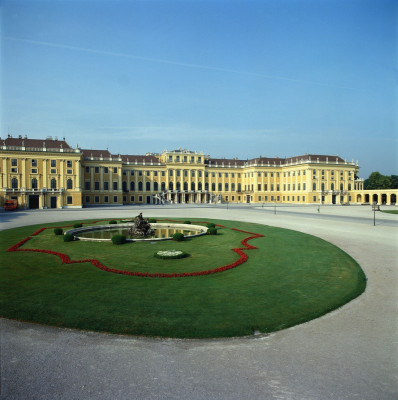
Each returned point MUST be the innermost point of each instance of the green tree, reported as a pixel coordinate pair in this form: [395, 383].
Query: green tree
[394, 181]
[377, 181]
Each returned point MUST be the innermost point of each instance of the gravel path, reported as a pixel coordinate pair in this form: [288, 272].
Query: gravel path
[351, 353]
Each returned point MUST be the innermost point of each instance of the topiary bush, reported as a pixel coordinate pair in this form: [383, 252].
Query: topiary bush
[78, 225]
[211, 225]
[212, 231]
[58, 231]
[68, 237]
[118, 239]
[187, 222]
[112, 222]
[152, 220]
[178, 237]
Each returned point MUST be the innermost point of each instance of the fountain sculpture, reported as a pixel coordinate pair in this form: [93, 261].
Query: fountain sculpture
[141, 227]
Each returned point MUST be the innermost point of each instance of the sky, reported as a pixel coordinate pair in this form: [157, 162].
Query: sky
[231, 78]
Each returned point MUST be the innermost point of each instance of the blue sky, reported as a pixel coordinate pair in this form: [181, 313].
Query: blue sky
[230, 78]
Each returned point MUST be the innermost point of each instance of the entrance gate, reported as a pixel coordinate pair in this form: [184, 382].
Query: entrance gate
[33, 201]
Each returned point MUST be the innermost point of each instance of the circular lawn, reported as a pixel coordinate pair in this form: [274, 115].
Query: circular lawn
[246, 278]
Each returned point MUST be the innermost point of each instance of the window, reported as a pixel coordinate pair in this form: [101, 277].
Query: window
[185, 185]
[148, 186]
[96, 199]
[226, 187]
[178, 186]
[259, 175]
[272, 174]
[33, 170]
[233, 187]
[132, 185]
[284, 187]
[332, 186]
[193, 174]
[163, 173]
[132, 199]
[298, 186]
[115, 199]
[314, 199]
[177, 158]
[185, 173]
[96, 170]
[170, 185]
[106, 199]
[314, 186]
[69, 171]
[163, 186]
[132, 172]
[193, 186]
[87, 199]
[68, 199]
[114, 185]
[53, 163]
[192, 159]
[199, 159]
[140, 186]
[220, 187]
[68, 164]
[53, 171]
[115, 170]
[239, 188]
[155, 186]
[272, 187]
[341, 186]
[323, 172]
[69, 184]
[259, 187]
[170, 158]
[185, 158]
[14, 162]
[140, 199]
[87, 185]
[124, 172]
[170, 172]
[213, 187]
[259, 198]
[139, 173]
[213, 174]
[34, 183]
[96, 186]
[87, 170]
[200, 174]
[155, 173]
[148, 173]
[294, 186]
[106, 185]
[178, 172]
[34, 163]
[124, 187]
[278, 187]
[53, 183]
[323, 187]
[349, 186]
[14, 170]
[200, 186]
[206, 186]
[226, 174]
[219, 174]
[239, 177]
[303, 186]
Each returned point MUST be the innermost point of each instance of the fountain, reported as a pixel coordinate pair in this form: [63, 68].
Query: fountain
[141, 228]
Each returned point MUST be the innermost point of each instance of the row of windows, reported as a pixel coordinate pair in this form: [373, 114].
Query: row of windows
[34, 183]
[332, 187]
[53, 163]
[184, 159]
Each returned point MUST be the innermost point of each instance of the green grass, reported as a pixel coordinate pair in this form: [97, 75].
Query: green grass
[291, 278]
[390, 211]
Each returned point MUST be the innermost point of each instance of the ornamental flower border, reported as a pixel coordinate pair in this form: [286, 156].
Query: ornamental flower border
[95, 263]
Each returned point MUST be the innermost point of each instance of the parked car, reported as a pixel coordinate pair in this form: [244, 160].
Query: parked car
[10, 205]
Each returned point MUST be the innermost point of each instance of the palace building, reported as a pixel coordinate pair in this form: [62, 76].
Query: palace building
[48, 173]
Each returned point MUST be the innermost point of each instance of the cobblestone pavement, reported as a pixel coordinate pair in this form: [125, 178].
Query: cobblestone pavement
[351, 353]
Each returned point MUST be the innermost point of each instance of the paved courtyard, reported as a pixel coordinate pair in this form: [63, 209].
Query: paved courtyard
[351, 353]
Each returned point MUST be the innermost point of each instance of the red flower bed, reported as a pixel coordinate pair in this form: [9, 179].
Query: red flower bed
[66, 260]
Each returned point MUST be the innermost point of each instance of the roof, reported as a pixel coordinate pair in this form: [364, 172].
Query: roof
[88, 153]
[226, 161]
[37, 143]
[138, 158]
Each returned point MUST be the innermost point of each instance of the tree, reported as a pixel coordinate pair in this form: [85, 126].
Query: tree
[394, 181]
[377, 181]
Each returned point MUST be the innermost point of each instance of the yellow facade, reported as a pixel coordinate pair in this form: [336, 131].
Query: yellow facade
[50, 174]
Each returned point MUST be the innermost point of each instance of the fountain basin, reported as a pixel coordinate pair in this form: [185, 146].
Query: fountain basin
[163, 231]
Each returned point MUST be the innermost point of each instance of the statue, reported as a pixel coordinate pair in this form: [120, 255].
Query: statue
[141, 227]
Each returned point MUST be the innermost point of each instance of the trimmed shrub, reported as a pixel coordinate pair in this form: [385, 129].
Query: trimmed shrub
[68, 237]
[152, 220]
[187, 222]
[211, 225]
[178, 237]
[78, 225]
[112, 222]
[118, 239]
[58, 231]
[164, 256]
[212, 231]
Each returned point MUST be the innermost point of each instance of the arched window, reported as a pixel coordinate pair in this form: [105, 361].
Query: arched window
[140, 186]
[349, 186]
[170, 185]
[155, 186]
[314, 186]
[239, 187]
[332, 186]
[341, 186]
[213, 187]
[14, 183]
[193, 186]
[53, 183]
[69, 184]
[132, 185]
[185, 185]
[124, 186]
[233, 187]
[178, 185]
[206, 185]
[226, 187]
[34, 183]
[163, 186]
[200, 186]
[148, 186]
[220, 187]
[323, 187]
